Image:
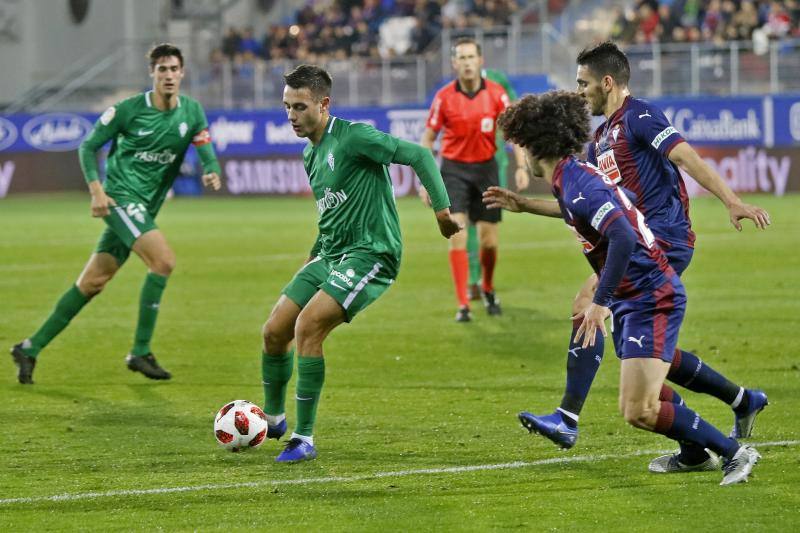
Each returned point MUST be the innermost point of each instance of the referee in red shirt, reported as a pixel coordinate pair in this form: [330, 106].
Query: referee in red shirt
[467, 109]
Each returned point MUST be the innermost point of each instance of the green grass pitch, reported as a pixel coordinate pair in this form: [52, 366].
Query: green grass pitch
[410, 396]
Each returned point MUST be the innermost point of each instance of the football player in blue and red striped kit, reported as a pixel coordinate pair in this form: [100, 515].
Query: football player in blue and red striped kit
[639, 149]
[637, 287]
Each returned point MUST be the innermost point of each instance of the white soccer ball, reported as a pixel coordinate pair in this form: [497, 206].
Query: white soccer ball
[240, 425]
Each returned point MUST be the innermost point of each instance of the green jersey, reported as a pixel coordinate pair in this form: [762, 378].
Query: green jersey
[349, 176]
[148, 146]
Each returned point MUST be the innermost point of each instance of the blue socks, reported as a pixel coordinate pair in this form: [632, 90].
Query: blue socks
[680, 423]
[688, 370]
[582, 365]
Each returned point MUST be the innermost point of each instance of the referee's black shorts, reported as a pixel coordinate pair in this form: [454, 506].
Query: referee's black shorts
[465, 183]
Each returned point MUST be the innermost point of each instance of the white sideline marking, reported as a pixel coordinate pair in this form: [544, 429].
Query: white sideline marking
[363, 477]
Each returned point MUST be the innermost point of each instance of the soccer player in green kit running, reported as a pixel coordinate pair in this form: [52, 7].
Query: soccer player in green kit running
[150, 134]
[356, 256]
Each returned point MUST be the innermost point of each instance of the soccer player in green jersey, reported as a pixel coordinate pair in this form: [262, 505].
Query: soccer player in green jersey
[356, 256]
[149, 136]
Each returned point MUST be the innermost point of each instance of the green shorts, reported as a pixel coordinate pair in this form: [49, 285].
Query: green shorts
[354, 282]
[126, 223]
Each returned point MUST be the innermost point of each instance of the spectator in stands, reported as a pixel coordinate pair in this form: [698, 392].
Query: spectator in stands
[231, 42]
[249, 43]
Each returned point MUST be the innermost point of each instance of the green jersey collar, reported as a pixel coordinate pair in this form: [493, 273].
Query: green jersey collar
[149, 101]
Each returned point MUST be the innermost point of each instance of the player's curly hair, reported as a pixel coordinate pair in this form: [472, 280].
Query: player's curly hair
[550, 125]
[311, 77]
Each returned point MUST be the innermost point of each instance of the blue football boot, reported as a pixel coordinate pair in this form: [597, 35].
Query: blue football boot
[276, 431]
[297, 450]
[744, 422]
[551, 426]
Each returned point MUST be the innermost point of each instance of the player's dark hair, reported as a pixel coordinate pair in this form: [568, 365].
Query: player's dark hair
[550, 125]
[465, 40]
[606, 59]
[164, 50]
[315, 79]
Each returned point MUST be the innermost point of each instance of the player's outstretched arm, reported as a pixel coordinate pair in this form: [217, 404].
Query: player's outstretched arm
[688, 159]
[421, 160]
[500, 198]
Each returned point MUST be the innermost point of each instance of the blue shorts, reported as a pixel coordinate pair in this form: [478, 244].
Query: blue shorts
[647, 325]
[679, 256]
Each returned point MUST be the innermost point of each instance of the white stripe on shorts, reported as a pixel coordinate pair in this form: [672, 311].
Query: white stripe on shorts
[361, 284]
[131, 226]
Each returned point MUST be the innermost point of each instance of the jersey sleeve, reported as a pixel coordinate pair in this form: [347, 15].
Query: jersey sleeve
[435, 115]
[201, 139]
[652, 129]
[595, 205]
[110, 124]
[368, 142]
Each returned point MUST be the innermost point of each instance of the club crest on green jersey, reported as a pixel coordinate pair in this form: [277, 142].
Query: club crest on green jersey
[183, 128]
[331, 162]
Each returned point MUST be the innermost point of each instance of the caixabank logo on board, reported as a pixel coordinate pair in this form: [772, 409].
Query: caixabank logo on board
[56, 132]
[8, 133]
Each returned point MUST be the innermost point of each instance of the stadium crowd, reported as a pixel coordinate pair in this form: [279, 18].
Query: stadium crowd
[717, 21]
[338, 29]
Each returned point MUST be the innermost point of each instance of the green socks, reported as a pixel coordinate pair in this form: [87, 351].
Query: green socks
[472, 254]
[149, 301]
[310, 377]
[67, 307]
[276, 370]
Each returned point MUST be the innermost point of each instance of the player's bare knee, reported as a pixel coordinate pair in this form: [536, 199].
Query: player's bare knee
[91, 286]
[641, 415]
[163, 266]
[308, 329]
[276, 338]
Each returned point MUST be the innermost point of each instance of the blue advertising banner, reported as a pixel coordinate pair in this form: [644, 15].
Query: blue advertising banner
[786, 111]
[758, 121]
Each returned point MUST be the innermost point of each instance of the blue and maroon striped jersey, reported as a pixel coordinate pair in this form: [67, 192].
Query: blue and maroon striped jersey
[631, 148]
[589, 202]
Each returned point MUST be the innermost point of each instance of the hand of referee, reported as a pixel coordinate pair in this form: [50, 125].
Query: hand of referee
[447, 224]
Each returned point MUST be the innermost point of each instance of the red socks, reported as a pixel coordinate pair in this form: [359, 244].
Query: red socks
[459, 266]
[488, 260]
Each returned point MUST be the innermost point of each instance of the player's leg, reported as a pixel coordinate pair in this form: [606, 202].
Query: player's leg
[688, 370]
[353, 284]
[318, 318]
[690, 457]
[459, 188]
[155, 252]
[100, 268]
[277, 356]
[691, 372]
[582, 364]
[488, 224]
[473, 254]
[459, 268]
[645, 365]
[487, 235]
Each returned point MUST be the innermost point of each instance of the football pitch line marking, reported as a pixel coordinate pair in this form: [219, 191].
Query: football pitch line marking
[346, 479]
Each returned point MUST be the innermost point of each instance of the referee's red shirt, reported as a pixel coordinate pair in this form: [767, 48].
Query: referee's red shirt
[469, 123]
